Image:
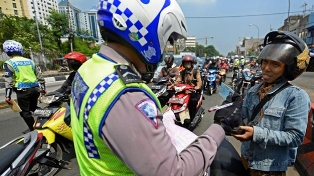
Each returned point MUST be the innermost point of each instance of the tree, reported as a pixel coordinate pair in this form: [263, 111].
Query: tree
[59, 26]
[231, 53]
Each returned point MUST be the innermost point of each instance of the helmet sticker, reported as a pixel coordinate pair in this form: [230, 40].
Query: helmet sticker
[149, 53]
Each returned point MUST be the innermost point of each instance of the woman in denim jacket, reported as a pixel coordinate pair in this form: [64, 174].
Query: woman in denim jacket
[270, 144]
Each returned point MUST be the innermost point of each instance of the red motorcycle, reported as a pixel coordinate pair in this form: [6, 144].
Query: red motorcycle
[179, 104]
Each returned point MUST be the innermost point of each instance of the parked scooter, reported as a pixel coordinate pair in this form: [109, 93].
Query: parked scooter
[24, 156]
[179, 104]
[54, 122]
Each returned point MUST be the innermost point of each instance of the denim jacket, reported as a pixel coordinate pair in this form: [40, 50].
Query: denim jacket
[280, 131]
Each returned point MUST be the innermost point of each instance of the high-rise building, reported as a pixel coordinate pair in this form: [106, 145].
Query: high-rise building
[93, 24]
[41, 8]
[73, 13]
[14, 7]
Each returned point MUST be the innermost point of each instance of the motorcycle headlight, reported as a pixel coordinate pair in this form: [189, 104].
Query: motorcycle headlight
[48, 99]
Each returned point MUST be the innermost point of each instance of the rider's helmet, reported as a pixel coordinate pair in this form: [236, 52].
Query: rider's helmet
[288, 48]
[223, 60]
[188, 62]
[12, 47]
[143, 25]
[242, 57]
[236, 56]
[75, 60]
[169, 61]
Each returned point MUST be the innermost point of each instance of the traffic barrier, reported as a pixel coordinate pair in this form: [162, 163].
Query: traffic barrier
[304, 161]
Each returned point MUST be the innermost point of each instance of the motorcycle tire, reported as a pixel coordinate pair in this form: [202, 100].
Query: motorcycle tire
[223, 79]
[244, 92]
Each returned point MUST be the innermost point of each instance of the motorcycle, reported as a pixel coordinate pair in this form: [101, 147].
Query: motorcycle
[247, 80]
[159, 87]
[235, 78]
[24, 156]
[179, 104]
[211, 80]
[53, 121]
[222, 72]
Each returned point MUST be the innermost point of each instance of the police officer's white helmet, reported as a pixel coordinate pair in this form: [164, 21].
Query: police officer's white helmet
[144, 25]
[11, 46]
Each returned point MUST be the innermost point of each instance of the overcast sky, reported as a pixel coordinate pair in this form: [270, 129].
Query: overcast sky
[226, 30]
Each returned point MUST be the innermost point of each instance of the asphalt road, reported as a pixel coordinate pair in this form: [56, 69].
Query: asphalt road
[12, 125]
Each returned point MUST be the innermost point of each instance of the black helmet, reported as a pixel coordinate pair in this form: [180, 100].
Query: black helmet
[288, 48]
[169, 59]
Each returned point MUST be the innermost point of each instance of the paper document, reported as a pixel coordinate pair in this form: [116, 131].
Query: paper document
[14, 106]
[225, 91]
[180, 137]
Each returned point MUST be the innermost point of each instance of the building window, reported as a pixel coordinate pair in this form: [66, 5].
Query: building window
[14, 5]
[15, 12]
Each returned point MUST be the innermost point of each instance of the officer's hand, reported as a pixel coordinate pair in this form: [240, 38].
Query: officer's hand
[8, 100]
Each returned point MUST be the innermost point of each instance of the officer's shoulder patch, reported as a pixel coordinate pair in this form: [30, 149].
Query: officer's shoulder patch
[149, 109]
[79, 89]
[127, 74]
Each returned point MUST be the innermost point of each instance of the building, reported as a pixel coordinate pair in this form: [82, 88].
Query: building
[190, 41]
[41, 8]
[73, 13]
[13, 7]
[248, 45]
[93, 27]
[310, 31]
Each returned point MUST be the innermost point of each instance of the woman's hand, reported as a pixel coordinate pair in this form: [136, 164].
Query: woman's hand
[247, 136]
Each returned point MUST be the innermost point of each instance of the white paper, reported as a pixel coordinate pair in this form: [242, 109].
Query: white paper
[180, 137]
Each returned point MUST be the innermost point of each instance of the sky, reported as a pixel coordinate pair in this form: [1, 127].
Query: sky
[226, 31]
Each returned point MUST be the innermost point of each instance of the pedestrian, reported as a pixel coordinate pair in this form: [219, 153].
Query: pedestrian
[277, 111]
[116, 119]
[23, 77]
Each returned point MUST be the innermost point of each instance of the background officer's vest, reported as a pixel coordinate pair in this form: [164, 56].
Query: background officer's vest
[24, 72]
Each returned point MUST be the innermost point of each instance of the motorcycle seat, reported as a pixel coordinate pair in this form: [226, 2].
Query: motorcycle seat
[8, 154]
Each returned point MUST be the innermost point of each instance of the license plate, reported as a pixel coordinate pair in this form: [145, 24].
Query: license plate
[43, 112]
[176, 100]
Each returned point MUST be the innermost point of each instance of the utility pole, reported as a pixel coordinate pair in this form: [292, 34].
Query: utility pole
[289, 16]
[39, 36]
[70, 38]
[304, 11]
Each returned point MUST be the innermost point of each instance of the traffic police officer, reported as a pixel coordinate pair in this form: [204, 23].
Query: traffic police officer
[23, 77]
[116, 119]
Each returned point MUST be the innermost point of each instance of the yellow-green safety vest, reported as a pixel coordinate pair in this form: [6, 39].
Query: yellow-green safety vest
[93, 95]
[24, 72]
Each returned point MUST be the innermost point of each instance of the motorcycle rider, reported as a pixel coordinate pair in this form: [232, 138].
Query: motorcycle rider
[222, 65]
[191, 76]
[74, 60]
[116, 119]
[170, 69]
[242, 62]
[270, 141]
[23, 77]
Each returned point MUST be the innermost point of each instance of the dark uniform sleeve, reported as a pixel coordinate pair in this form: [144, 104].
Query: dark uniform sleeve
[40, 77]
[143, 144]
[67, 83]
[8, 79]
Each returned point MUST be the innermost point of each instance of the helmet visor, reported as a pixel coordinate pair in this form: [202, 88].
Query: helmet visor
[280, 52]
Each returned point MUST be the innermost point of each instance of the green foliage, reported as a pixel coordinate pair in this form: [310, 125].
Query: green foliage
[231, 53]
[59, 26]
[85, 47]
[1, 65]
[202, 51]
